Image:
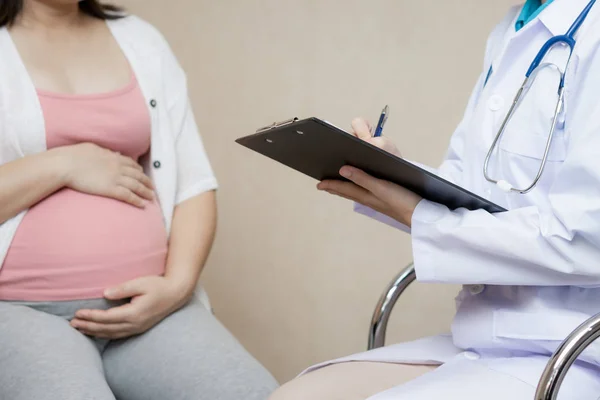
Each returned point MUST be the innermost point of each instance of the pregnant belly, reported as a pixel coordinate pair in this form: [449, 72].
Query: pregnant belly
[74, 245]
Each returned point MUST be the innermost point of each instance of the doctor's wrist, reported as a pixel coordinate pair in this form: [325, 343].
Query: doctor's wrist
[405, 218]
[405, 213]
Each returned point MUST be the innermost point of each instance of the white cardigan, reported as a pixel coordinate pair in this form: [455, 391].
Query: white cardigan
[177, 164]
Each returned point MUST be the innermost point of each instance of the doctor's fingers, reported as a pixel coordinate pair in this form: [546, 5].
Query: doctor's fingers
[373, 203]
[384, 143]
[376, 186]
[361, 128]
[352, 192]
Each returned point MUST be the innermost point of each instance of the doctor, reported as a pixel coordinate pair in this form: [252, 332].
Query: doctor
[532, 274]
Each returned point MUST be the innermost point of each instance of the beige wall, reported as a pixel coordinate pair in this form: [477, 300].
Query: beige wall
[294, 273]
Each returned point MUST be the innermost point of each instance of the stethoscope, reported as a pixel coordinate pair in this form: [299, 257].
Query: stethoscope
[567, 39]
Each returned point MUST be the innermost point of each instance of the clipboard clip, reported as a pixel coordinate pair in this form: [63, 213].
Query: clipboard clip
[277, 125]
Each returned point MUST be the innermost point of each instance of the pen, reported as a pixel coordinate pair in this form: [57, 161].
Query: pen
[382, 120]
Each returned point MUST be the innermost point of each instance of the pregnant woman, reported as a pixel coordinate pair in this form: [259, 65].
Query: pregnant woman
[107, 215]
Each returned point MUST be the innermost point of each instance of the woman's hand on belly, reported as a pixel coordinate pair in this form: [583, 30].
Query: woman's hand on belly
[94, 170]
[152, 299]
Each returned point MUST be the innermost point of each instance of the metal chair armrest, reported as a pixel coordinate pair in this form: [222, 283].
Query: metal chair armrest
[565, 356]
[556, 369]
[386, 304]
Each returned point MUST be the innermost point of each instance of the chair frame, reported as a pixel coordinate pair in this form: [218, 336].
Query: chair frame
[556, 369]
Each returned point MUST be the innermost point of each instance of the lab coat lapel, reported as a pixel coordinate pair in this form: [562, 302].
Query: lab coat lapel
[560, 15]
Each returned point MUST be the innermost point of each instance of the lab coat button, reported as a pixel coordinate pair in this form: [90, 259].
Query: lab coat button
[471, 355]
[476, 289]
[156, 164]
[153, 103]
[496, 102]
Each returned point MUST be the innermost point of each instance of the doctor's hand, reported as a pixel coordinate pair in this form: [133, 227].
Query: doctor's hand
[361, 128]
[382, 196]
[152, 299]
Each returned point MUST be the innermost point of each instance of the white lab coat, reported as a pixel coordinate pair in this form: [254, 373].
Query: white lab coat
[531, 274]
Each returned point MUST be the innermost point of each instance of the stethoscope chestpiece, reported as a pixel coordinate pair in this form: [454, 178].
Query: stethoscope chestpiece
[504, 186]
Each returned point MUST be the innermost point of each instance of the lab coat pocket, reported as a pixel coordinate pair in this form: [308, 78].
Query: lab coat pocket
[527, 132]
[528, 326]
[533, 145]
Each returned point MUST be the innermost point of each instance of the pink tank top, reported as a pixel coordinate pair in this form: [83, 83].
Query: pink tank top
[72, 245]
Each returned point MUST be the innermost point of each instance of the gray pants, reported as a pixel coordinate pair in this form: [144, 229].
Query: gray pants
[188, 356]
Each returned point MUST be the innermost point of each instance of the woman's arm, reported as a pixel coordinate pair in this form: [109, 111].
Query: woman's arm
[83, 167]
[192, 235]
[195, 215]
[26, 181]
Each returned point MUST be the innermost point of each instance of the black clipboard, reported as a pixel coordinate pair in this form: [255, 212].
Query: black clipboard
[318, 149]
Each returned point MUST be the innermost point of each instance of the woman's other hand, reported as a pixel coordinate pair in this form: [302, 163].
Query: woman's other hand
[152, 299]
